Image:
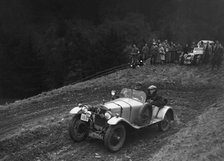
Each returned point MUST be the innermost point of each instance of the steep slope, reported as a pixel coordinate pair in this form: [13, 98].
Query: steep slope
[36, 128]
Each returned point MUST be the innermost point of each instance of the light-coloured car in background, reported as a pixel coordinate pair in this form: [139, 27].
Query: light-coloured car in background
[195, 57]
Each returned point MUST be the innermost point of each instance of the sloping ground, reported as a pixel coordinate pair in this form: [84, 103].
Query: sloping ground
[36, 128]
[201, 140]
[165, 76]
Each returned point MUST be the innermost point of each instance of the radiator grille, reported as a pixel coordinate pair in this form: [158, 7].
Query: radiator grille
[100, 121]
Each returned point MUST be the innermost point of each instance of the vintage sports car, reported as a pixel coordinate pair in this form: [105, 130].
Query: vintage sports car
[195, 57]
[110, 121]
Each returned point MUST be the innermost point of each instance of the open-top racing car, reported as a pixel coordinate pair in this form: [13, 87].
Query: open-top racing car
[110, 121]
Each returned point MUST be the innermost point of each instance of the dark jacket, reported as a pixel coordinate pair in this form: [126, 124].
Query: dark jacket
[156, 100]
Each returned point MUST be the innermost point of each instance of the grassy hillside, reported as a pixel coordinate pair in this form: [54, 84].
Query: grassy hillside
[36, 128]
[201, 140]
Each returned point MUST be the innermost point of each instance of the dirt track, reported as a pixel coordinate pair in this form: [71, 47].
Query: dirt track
[42, 128]
[36, 129]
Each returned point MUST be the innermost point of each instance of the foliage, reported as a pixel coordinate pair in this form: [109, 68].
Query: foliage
[45, 44]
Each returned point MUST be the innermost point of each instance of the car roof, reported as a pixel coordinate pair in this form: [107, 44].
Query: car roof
[205, 41]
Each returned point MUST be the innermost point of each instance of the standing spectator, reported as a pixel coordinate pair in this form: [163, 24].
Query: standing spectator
[154, 52]
[134, 55]
[135, 49]
[206, 53]
[167, 50]
[161, 54]
[145, 52]
[210, 50]
[173, 52]
[201, 44]
[127, 50]
[193, 45]
[157, 56]
[186, 49]
[178, 51]
[184, 54]
[217, 56]
[181, 58]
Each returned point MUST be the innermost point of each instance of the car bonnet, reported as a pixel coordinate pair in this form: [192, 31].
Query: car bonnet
[122, 102]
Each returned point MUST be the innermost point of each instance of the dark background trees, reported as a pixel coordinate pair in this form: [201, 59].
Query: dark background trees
[45, 44]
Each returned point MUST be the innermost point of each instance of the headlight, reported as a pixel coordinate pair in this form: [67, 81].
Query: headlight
[113, 92]
[108, 115]
[85, 109]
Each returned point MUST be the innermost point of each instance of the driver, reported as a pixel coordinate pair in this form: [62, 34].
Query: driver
[154, 100]
[138, 86]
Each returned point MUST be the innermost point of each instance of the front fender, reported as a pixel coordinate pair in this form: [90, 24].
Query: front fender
[115, 120]
[164, 110]
[75, 110]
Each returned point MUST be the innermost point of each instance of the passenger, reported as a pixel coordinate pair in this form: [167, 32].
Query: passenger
[154, 100]
[138, 86]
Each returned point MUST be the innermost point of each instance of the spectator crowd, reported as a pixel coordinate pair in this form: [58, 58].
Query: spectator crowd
[162, 52]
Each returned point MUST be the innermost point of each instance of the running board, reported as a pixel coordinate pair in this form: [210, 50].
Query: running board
[145, 125]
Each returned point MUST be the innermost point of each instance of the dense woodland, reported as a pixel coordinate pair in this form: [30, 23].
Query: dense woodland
[45, 44]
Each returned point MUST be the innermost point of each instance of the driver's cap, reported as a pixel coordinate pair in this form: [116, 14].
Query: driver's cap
[138, 85]
[152, 87]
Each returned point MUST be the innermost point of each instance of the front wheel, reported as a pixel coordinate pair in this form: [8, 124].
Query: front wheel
[78, 129]
[115, 137]
[165, 124]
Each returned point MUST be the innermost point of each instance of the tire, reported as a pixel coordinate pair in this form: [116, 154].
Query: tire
[165, 124]
[78, 129]
[115, 137]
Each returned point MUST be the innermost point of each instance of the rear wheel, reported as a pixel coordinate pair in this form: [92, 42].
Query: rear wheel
[115, 137]
[165, 124]
[78, 129]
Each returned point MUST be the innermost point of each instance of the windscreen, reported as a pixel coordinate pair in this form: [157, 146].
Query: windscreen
[133, 94]
[198, 50]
